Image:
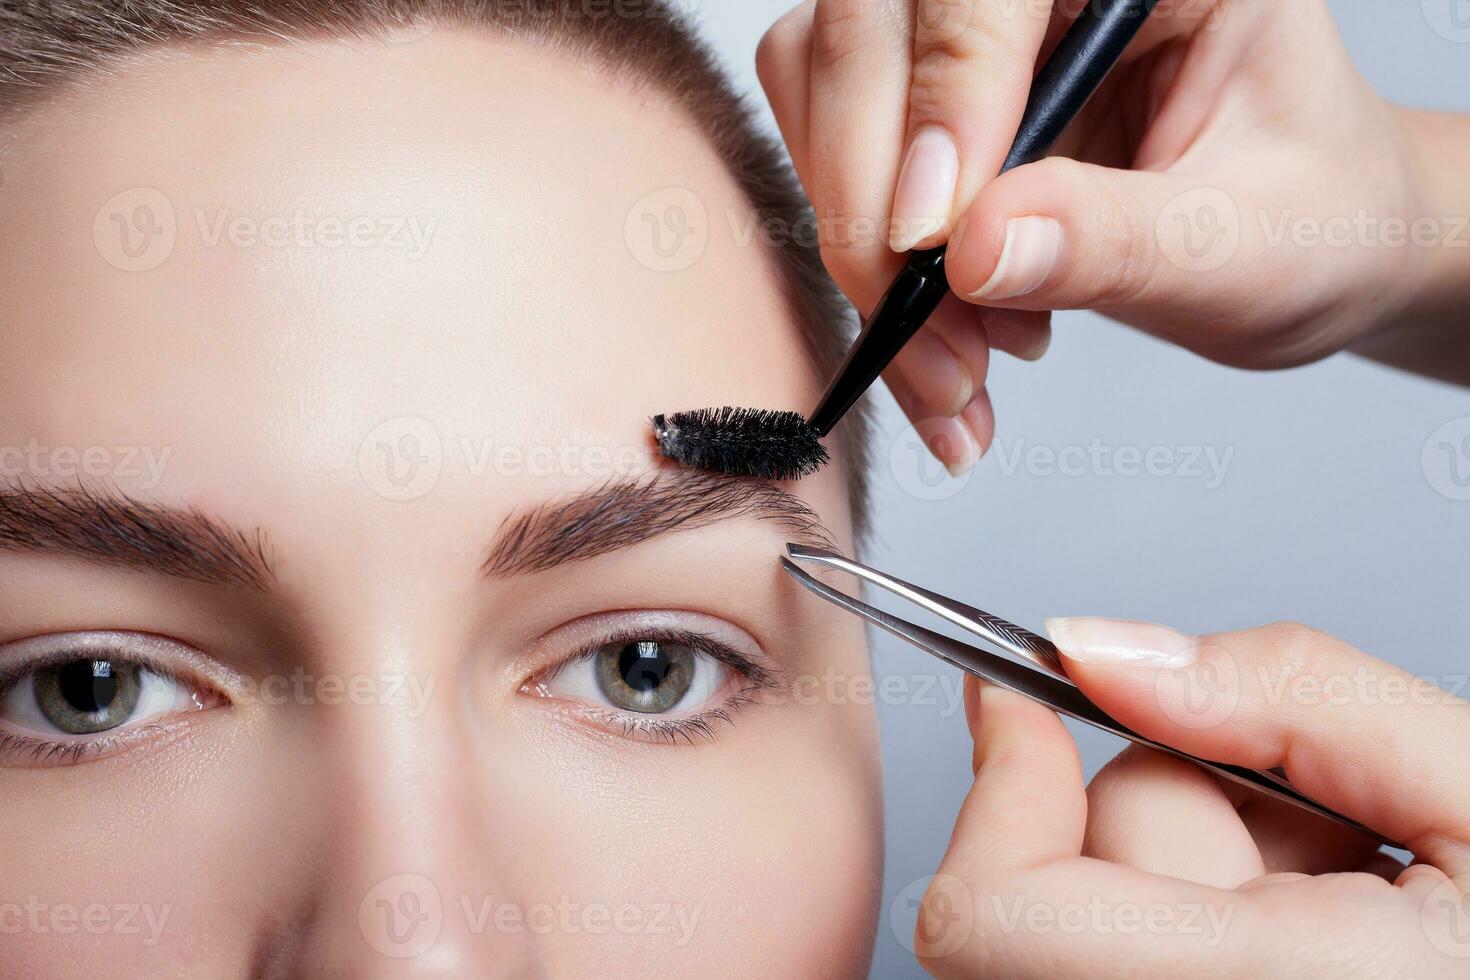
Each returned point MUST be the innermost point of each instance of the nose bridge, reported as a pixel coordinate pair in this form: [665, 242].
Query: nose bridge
[408, 849]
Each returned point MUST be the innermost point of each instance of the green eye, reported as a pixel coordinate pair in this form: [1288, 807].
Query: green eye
[83, 697]
[646, 676]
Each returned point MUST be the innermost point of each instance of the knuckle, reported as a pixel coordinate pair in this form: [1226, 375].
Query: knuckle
[840, 29]
[949, 62]
[1122, 274]
[953, 29]
[1295, 647]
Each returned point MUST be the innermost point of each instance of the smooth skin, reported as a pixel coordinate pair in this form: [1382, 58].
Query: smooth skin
[471, 823]
[1173, 206]
[1159, 870]
[1203, 196]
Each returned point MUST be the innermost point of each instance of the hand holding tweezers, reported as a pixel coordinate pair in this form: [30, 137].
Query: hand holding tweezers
[1046, 683]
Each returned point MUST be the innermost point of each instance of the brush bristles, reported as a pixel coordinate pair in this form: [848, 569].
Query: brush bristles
[742, 442]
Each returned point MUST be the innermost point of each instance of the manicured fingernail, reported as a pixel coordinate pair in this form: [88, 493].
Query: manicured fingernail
[1124, 642]
[926, 188]
[951, 443]
[936, 374]
[1032, 248]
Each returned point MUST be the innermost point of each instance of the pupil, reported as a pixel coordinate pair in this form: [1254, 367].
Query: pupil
[643, 666]
[89, 686]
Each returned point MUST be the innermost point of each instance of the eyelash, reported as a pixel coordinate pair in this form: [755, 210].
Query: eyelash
[34, 749]
[14, 746]
[701, 725]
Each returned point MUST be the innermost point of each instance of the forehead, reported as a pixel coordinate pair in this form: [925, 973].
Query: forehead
[280, 251]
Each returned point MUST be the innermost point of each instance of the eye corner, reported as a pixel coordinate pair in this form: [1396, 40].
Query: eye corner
[74, 697]
[651, 680]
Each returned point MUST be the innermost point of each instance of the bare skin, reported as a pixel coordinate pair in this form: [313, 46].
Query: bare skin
[344, 409]
[1235, 187]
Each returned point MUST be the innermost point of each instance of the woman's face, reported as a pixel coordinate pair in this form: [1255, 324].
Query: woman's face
[350, 627]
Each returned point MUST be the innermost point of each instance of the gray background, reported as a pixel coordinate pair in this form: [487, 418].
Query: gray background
[1328, 513]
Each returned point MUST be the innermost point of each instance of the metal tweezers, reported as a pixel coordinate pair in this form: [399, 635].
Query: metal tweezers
[1046, 682]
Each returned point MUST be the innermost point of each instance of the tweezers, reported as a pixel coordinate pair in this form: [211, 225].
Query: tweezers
[1045, 682]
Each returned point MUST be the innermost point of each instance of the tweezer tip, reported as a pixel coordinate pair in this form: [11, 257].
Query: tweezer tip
[807, 552]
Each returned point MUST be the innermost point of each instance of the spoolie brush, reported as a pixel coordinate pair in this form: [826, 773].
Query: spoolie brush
[783, 445]
[742, 442]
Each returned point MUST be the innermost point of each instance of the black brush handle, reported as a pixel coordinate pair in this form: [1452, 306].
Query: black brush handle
[1069, 78]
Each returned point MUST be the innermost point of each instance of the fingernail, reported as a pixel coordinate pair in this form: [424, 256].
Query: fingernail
[1032, 248]
[936, 374]
[951, 443]
[1024, 339]
[1124, 642]
[979, 418]
[926, 188]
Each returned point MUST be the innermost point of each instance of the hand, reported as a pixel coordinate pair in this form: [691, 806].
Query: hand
[1159, 869]
[1209, 194]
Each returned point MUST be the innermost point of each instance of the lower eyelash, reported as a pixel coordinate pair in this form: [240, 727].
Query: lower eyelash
[671, 731]
[42, 751]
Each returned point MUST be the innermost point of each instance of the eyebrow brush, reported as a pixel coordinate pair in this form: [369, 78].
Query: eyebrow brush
[725, 439]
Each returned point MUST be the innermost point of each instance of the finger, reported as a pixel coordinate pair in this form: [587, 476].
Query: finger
[1292, 839]
[783, 63]
[1353, 732]
[957, 441]
[1059, 234]
[1158, 813]
[1028, 805]
[859, 93]
[1025, 334]
[972, 66]
[947, 362]
[1016, 853]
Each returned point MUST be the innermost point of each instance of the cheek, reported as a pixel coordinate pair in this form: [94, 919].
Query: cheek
[766, 842]
[145, 867]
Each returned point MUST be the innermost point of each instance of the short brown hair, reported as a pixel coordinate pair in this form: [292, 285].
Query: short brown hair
[45, 43]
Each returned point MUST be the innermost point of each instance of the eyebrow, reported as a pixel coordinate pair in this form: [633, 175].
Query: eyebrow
[106, 527]
[623, 513]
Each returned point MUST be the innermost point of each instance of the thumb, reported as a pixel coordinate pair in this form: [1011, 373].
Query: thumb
[1355, 733]
[1142, 246]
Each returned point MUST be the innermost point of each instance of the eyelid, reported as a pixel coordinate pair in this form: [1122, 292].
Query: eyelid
[717, 638]
[174, 662]
[170, 658]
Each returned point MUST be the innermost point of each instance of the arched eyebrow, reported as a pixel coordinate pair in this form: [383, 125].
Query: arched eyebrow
[104, 526]
[623, 513]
